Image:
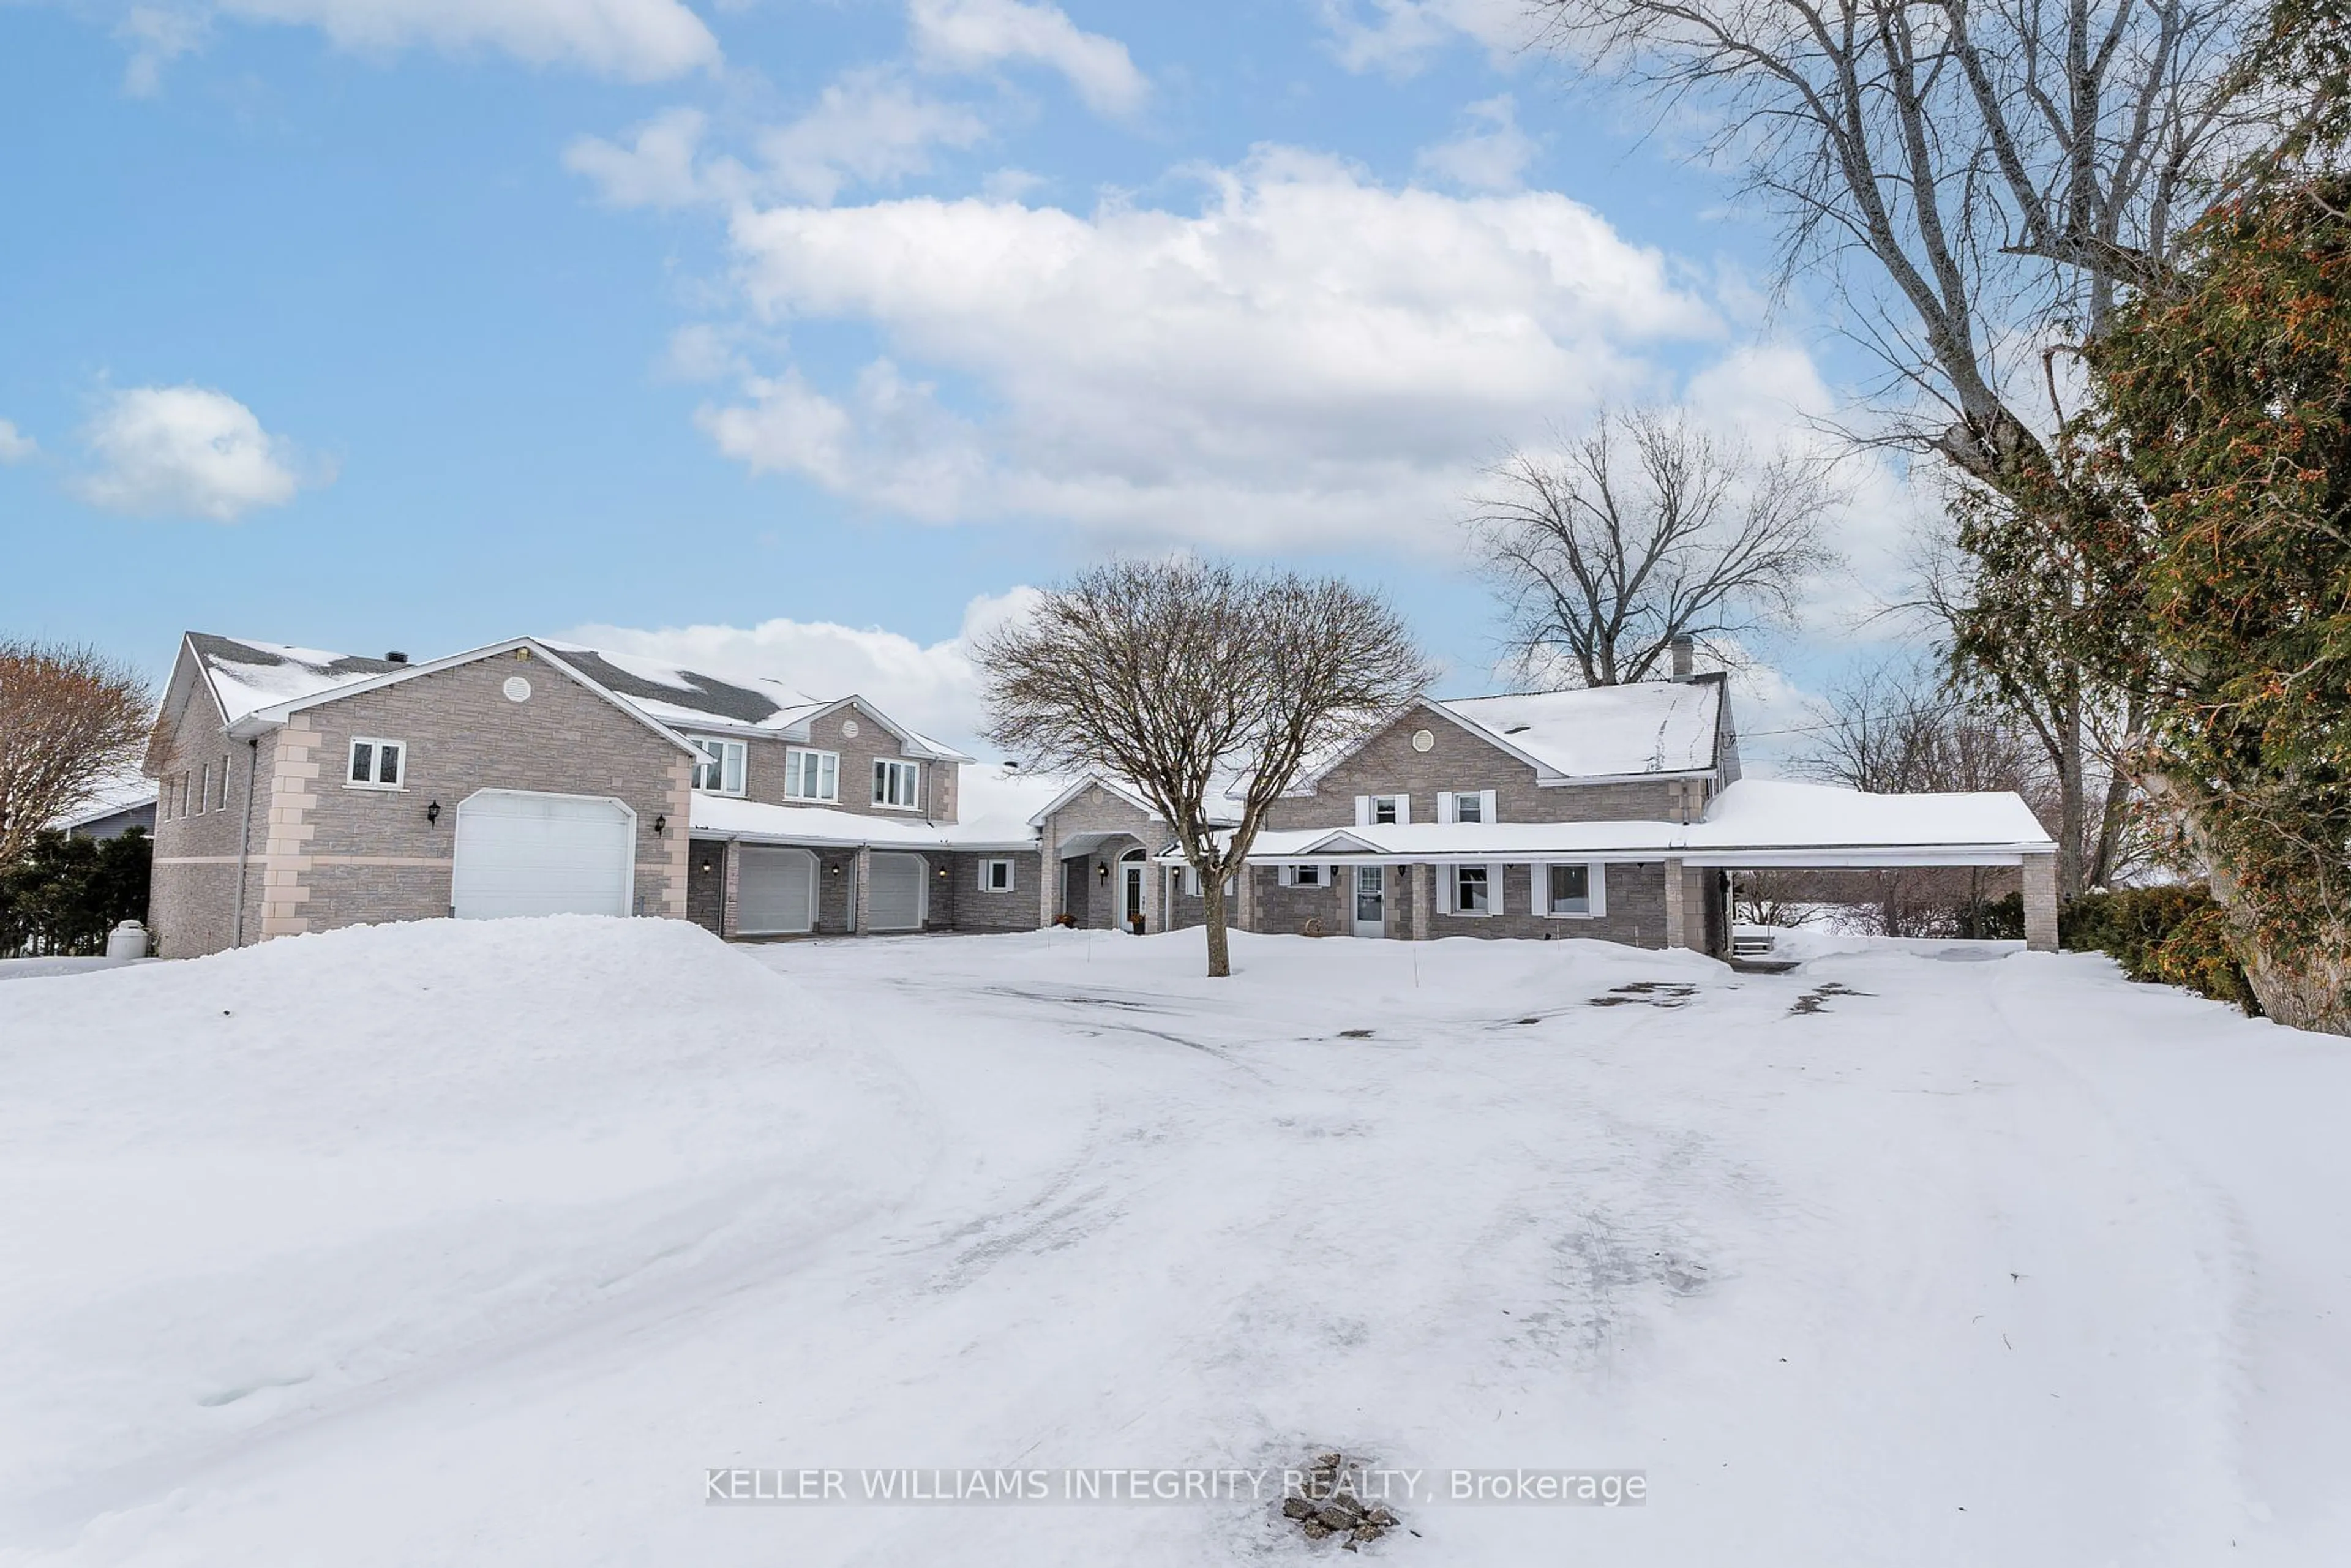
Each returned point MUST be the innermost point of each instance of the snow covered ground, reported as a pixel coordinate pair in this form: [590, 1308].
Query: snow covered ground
[483, 1243]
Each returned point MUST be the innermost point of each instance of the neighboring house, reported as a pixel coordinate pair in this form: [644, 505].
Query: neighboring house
[112, 815]
[302, 790]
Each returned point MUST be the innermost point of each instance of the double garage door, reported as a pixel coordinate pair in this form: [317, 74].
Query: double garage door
[774, 892]
[523, 853]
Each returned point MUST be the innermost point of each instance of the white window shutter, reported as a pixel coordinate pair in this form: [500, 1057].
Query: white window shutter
[1288, 875]
[1449, 888]
[1487, 798]
[1444, 812]
[1362, 810]
[1494, 904]
[1598, 900]
[1404, 810]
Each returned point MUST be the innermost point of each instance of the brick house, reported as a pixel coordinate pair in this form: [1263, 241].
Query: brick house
[302, 790]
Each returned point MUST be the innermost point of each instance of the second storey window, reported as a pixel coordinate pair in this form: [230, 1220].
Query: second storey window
[720, 771]
[811, 775]
[377, 764]
[896, 783]
[1381, 810]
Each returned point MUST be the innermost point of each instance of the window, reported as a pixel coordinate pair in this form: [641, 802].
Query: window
[996, 877]
[897, 783]
[204, 790]
[1472, 894]
[1305, 875]
[377, 764]
[811, 775]
[720, 771]
[1374, 811]
[1573, 890]
[222, 803]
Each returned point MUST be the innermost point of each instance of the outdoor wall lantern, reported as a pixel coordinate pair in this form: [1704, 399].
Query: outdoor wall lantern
[1104, 867]
[433, 814]
[661, 820]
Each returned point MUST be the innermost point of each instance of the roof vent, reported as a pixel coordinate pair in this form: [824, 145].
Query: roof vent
[1518, 730]
[395, 658]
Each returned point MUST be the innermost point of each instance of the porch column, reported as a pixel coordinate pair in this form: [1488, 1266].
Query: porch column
[864, 886]
[1424, 898]
[2041, 903]
[729, 878]
[1048, 872]
[1343, 884]
[1245, 898]
[1676, 918]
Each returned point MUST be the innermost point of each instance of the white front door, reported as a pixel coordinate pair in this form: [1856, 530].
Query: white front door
[1371, 899]
[521, 851]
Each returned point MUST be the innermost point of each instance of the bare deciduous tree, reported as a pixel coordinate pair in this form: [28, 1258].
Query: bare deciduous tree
[1179, 677]
[1981, 180]
[68, 718]
[1647, 529]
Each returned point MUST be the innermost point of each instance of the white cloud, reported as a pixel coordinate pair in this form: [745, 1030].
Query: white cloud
[660, 167]
[186, 451]
[16, 446]
[1398, 35]
[972, 35]
[1309, 359]
[157, 36]
[637, 40]
[933, 687]
[868, 128]
[1490, 154]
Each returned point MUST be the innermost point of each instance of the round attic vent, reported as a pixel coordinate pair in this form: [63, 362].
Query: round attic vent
[1422, 740]
[848, 729]
[517, 690]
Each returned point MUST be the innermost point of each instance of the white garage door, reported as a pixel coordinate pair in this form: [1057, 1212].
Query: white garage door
[774, 892]
[897, 894]
[520, 852]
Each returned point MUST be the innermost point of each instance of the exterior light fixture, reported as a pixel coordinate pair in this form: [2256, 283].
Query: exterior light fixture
[433, 814]
[1103, 866]
[661, 820]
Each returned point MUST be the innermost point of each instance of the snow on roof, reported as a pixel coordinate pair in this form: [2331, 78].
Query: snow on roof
[1768, 813]
[723, 816]
[1751, 819]
[1604, 732]
[247, 676]
[676, 694]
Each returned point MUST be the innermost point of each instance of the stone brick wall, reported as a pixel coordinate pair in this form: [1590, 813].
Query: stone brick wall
[1458, 760]
[970, 907]
[763, 766]
[342, 856]
[706, 883]
[192, 897]
[1082, 894]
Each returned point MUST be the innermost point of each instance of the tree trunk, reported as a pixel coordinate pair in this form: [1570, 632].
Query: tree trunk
[1212, 902]
[2072, 805]
[2314, 991]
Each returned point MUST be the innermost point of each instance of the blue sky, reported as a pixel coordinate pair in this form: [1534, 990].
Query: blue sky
[800, 334]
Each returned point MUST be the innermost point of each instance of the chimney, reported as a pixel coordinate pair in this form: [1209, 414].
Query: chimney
[398, 658]
[1685, 658]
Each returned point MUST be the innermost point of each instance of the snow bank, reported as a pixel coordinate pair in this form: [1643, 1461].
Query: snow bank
[238, 1188]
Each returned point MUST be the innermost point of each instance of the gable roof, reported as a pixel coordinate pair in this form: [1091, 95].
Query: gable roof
[245, 677]
[1648, 729]
[677, 695]
[1605, 732]
[393, 674]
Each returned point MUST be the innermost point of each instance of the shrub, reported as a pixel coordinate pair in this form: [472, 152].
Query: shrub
[66, 893]
[2174, 933]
